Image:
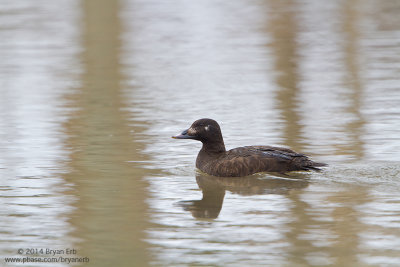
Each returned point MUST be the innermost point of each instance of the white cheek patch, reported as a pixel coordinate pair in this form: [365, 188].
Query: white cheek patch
[191, 131]
[207, 128]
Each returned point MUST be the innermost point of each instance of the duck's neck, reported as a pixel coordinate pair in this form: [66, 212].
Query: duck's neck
[216, 146]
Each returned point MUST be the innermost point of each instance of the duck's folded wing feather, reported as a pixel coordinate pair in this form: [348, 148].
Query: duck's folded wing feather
[247, 160]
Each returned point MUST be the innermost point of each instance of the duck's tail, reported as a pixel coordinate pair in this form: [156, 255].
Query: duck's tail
[304, 163]
[308, 165]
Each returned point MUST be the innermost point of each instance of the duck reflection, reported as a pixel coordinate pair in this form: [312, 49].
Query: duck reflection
[213, 189]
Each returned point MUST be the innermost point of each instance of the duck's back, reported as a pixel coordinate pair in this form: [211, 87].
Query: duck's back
[248, 160]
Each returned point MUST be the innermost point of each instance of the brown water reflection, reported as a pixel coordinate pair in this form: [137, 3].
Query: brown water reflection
[110, 215]
[283, 28]
[353, 81]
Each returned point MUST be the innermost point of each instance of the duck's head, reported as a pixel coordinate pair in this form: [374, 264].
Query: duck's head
[204, 130]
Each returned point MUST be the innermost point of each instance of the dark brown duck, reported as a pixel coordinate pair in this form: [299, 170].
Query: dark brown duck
[242, 161]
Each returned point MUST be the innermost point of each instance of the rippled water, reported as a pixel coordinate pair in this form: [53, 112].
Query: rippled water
[92, 91]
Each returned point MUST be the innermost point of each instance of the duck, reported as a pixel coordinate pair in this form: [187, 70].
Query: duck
[215, 160]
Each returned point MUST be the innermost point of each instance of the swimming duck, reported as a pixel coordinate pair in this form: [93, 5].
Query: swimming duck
[213, 158]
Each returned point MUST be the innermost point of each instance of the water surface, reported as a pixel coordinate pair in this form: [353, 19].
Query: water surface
[92, 91]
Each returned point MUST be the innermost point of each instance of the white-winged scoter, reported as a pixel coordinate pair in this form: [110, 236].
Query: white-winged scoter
[242, 161]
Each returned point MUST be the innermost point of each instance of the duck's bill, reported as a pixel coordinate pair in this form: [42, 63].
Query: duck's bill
[183, 135]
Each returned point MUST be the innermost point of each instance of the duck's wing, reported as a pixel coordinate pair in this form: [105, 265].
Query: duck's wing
[275, 151]
[264, 152]
[251, 159]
